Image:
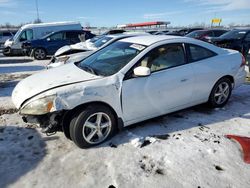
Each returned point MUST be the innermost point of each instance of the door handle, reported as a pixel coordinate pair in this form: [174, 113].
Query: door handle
[184, 80]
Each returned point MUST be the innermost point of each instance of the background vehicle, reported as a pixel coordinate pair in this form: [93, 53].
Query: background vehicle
[6, 34]
[237, 39]
[206, 34]
[114, 31]
[161, 32]
[35, 31]
[96, 96]
[77, 52]
[49, 44]
[185, 31]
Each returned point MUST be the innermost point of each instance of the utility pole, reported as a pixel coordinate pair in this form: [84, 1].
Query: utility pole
[37, 11]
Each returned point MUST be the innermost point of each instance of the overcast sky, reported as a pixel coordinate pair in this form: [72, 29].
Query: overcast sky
[113, 12]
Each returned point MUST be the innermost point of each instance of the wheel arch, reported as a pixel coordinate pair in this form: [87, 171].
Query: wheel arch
[39, 47]
[230, 77]
[71, 113]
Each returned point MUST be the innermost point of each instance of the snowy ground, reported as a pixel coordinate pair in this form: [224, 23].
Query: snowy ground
[191, 151]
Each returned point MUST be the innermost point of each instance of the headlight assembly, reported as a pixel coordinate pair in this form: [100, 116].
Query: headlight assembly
[62, 59]
[39, 106]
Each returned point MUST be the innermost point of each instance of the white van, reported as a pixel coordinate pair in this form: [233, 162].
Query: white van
[35, 31]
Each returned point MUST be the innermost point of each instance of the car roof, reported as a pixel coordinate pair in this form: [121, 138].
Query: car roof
[147, 40]
[126, 34]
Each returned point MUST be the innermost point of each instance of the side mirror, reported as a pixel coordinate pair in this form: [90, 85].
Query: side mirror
[48, 39]
[142, 71]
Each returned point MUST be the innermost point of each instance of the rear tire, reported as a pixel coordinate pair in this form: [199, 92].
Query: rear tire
[220, 93]
[40, 54]
[92, 126]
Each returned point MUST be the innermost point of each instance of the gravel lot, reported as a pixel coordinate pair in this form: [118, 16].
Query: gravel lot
[191, 151]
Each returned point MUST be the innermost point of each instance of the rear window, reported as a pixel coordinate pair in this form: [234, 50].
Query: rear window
[196, 34]
[234, 34]
[197, 53]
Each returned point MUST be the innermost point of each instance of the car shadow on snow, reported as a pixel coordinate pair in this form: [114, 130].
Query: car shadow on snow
[201, 116]
[15, 60]
[21, 150]
[6, 88]
[16, 69]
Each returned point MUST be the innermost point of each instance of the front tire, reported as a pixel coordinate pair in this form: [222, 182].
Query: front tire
[93, 126]
[40, 54]
[220, 93]
[7, 52]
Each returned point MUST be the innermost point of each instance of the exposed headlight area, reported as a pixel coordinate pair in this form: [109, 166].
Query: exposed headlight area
[39, 106]
[57, 61]
[62, 59]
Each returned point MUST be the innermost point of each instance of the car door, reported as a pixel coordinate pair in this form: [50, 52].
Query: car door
[170, 85]
[55, 41]
[206, 70]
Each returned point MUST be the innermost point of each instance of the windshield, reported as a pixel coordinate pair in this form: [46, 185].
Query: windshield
[195, 34]
[100, 42]
[234, 34]
[17, 34]
[111, 59]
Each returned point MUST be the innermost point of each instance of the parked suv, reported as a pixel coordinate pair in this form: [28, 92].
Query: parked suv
[237, 39]
[48, 45]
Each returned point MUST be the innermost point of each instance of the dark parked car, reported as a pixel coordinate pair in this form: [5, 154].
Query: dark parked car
[237, 39]
[206, 34]
[182, 32]
[5, 35]
[49, 44]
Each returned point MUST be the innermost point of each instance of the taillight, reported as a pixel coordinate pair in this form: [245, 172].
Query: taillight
[243, 62]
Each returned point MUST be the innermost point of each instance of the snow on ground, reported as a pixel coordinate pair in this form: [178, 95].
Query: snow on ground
[12, 70]
[183, 149]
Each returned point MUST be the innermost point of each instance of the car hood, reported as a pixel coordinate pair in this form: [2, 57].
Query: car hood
[49, 79]
[81, 46]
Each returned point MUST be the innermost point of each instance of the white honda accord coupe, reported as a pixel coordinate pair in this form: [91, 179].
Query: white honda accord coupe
[128, 81]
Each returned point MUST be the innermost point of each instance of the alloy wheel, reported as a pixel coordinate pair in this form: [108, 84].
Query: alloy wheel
[222, 93]
[40, 54]
[96, 128]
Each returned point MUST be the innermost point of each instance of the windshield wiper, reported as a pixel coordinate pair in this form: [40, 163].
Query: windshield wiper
[89, 69]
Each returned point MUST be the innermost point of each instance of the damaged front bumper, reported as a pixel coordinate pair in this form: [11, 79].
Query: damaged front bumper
[50, 123]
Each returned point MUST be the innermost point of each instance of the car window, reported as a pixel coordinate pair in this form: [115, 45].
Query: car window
[164, 57]
[72, 35]
[75, 37]
[196, 34]
[210, 34]
[234, 34]
[29, 34]
[247, 37]
[102, 41]
[58, 36]
[218, 33]
[26, 35]
[197, 53]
